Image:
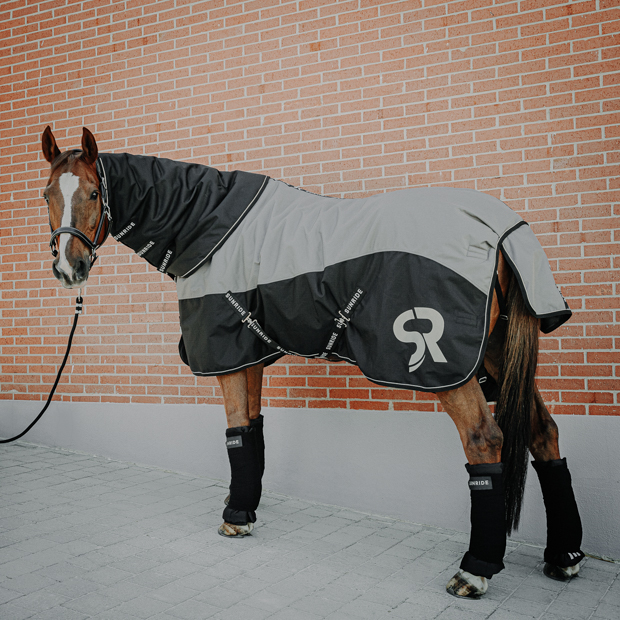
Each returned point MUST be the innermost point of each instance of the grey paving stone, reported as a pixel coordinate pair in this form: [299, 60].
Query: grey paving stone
[221, 597]
[143, 607]
[538, 595]
[455, 613]
[13, 612]
[570, 610]
[59, 613]
[365, 609]
[174, 593]
[607, 611]
[40, 601]
[194, 610]
[151, 579]
[503, 614]
[92, 603]
[28, 583]
[9, 595]
[532, 609]
[106, 575]
[295, 614]
[73, 588]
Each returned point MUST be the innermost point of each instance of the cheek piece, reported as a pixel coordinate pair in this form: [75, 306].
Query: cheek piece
[563, 522]
[487, 543]
[246, 453]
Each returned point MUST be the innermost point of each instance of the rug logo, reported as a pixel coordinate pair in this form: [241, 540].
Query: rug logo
[146, 248]
[124, 231]
[422, 341]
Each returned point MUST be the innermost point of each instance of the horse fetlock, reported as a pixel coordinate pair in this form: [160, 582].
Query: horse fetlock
[466, 585]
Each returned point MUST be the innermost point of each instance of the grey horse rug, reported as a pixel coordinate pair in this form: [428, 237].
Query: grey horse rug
[399, 284]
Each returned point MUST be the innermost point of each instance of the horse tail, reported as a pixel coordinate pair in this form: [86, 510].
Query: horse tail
[516, 397]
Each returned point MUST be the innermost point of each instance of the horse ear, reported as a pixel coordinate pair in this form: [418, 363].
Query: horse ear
[89, 147]
[49, 146]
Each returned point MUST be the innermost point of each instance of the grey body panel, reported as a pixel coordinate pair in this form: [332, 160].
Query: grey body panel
[290, 232]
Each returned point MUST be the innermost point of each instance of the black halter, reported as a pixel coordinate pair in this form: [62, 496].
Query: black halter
[105, 214]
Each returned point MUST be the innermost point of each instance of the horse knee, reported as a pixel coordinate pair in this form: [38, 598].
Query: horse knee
[484, 444]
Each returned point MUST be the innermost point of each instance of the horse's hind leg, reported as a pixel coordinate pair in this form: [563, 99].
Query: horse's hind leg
[482, 441]
[564, 533]
[246, 449]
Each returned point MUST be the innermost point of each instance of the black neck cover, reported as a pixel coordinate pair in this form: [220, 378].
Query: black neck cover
[487, 543]
[175, 214]
[564, 531]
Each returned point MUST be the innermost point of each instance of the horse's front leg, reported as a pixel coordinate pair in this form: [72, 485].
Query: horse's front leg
[246, 449]
[482, 441]
[563, 552]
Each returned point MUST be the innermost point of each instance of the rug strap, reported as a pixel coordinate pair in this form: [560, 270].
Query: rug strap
[342, 322]
[253, 325]
[503, 308]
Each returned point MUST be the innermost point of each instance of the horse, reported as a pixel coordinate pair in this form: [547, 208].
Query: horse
[85, 193]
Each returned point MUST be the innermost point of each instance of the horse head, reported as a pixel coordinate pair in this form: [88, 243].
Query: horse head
[76, 212]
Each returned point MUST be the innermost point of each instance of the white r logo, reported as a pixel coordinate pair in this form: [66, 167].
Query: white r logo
[421, 340]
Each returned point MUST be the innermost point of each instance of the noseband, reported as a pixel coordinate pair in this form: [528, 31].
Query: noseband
[105, 215]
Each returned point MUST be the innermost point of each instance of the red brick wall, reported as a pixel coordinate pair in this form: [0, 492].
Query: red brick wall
[518, 99]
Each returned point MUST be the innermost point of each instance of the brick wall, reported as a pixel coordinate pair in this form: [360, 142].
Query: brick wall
[518, 99]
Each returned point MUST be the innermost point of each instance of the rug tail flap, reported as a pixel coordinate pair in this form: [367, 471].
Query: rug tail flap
[530, 265]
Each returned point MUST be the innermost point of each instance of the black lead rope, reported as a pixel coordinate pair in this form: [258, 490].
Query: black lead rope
[78, 311]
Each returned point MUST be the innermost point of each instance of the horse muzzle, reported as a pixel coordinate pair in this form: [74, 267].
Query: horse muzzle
[71, 276]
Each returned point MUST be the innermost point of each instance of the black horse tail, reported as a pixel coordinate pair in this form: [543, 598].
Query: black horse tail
[516, 398]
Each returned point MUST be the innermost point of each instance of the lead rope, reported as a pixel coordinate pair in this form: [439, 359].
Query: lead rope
[78, 311]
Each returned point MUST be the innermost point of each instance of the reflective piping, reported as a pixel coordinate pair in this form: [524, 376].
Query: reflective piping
[229, 231]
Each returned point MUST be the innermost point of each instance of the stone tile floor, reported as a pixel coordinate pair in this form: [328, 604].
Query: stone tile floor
[84, 537]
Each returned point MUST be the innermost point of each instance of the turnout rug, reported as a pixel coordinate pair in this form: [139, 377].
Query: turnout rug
[399, 284]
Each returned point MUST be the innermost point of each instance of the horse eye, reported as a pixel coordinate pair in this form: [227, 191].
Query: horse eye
[94, 195]
[46, 198]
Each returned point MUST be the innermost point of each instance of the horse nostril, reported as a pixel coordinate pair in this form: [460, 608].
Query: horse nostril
[81, 270]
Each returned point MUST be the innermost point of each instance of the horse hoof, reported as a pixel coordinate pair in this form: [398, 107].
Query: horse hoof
[235, 531]
[466, 585]
[560, 574]
[227, 499]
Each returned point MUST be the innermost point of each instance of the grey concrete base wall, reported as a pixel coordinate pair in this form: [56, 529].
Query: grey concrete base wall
[404, 465]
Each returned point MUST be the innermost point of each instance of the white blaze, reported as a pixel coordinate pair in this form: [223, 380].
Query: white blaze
[68, 185]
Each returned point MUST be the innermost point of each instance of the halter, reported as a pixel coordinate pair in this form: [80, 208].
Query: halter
[105, 214]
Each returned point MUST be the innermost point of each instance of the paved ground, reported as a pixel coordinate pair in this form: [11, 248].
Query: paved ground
[85, 537]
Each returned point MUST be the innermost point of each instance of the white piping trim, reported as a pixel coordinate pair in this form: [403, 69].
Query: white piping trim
[229, 231]
[223, 372]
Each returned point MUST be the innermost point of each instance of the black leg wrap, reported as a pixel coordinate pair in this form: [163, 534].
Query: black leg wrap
[260, 441]
[563, 522]
[487, 543]
[245, 467]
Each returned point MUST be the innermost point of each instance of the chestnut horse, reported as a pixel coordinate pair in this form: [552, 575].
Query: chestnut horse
[495, 447]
